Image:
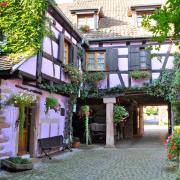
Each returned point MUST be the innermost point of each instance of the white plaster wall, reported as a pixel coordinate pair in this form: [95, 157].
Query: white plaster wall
[47, 45]
[113, 44]
[47, 67]
[170, 64]
[29, 66]
[156, 63]
[123, 64]
[155, 76]
[125, 79]
[114, 80]
[123, 51]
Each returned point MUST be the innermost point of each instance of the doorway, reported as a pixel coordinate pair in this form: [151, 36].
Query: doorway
[25, 143]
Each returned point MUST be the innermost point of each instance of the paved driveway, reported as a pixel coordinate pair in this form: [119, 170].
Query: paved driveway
[140, 159]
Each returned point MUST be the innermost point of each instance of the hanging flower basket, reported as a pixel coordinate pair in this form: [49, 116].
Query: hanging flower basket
[52, 103]
[140, 75]
[22, 100]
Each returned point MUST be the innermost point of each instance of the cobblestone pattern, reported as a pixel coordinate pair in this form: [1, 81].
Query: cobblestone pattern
[104, 164]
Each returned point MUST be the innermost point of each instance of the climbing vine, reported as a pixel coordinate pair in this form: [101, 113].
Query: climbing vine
[23, 25]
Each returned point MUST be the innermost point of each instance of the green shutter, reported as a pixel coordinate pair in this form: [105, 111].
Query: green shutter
[134, 58]
[112, 59]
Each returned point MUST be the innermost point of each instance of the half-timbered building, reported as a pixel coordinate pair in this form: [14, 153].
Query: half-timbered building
[119, 46]
[25, 75]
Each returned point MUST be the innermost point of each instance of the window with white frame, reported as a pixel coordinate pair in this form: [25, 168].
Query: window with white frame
[86, 20]
[96, 61]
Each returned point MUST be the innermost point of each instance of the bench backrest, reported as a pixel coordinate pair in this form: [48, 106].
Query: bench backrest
[51, 142]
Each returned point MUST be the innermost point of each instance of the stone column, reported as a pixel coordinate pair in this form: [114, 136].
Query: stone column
[109, 121]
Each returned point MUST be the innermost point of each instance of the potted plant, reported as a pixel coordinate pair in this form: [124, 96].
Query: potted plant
[140, 75]
[17, 164]
[51, 103]
[85, 29]
[76, 142]
[85, 110]
[119, 114]
[22, 100]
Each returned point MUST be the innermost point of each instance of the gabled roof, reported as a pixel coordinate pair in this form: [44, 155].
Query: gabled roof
[115, 23]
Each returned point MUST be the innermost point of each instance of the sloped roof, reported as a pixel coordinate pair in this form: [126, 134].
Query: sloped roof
[5, 63]
[115, 23]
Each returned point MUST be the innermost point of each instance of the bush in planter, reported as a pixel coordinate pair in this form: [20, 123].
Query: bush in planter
[17, 164]
[51, 103]
[140, 75]
[119, 113]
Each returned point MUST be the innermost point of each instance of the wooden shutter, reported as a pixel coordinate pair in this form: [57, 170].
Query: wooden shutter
[61, 47]
[112, 59]
[71, 54]
[75, 59]
[148, 60]
[134, 58]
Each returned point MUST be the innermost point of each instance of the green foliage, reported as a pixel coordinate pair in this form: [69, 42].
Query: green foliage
[71, 89]
[51, 103]
[19, 160]
[174, 146]
[151, 110]
[85, 109]
[23, 24]
[162, 87]
[22, 100]
[167, 21]
[119, 113]
[73, 73]
[140, 75]
[90, 83]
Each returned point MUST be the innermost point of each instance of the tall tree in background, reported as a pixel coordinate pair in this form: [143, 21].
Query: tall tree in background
[167, 22]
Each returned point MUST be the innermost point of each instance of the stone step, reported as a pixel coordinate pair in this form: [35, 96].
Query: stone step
[3, 140]
[4, 125]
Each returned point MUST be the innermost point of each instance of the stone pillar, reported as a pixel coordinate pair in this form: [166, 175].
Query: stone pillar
[109, 121]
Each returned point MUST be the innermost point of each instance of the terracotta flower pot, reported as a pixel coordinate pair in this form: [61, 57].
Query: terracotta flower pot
[76, 145]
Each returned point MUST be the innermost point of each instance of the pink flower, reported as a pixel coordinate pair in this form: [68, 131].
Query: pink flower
[166, 142]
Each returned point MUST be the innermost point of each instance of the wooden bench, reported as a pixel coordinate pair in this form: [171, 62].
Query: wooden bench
[47, 144]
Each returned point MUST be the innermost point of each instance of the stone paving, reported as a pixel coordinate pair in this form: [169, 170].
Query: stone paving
[139, 159]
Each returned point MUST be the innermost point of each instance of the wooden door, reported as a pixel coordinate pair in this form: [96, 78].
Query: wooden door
[23, 144]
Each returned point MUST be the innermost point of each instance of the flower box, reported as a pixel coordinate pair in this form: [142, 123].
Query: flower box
[9, 165]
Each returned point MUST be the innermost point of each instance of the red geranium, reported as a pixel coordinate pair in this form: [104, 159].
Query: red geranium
[4, 4]
[174, 147]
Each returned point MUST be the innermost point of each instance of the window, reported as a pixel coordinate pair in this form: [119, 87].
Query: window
[140, 15]
[139, 58]
[96, 61]
[66, 52]
[86, 20]
[143, 58]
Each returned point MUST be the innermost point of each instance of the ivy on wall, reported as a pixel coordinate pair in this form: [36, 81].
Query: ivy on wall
[23, 25]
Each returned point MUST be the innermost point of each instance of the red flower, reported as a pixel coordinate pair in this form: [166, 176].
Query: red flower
[4, 4]
[174, 147]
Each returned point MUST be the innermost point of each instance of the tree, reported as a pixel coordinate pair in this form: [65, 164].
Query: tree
[166, 22]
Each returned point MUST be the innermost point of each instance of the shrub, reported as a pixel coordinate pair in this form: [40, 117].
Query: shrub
[139, 75]
[19, 160]
[119, 113]
[51, 103]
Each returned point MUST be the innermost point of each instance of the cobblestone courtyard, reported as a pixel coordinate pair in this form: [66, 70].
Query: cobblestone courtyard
[140, 159]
